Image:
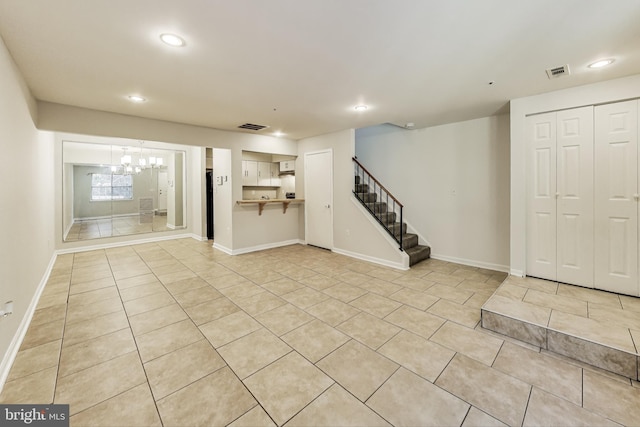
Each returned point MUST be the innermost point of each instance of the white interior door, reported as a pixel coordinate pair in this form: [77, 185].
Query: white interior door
[575, 196]
[541, 196]
[616, 205]
[162, 190]
[318, 190]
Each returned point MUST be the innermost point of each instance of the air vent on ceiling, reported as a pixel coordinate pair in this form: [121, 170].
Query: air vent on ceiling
[251, 126]
[556, 72]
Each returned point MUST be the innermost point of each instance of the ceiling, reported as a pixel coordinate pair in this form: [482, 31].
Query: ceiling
[300, 66]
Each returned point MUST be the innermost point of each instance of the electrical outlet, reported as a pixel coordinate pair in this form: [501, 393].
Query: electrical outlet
[7, 310]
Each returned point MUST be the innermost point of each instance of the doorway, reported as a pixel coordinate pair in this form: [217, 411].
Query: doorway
[210, 204]
[162, 191]
[318, 189]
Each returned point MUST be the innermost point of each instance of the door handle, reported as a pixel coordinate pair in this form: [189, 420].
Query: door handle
[327, 206]
[636, 197]
[557, 195]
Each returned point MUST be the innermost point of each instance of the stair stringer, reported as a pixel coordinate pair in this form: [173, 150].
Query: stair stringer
[403, 263]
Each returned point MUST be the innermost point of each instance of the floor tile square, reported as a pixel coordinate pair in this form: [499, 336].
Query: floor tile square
[165, 340]
[418, 355]
[333, 311]
[315, 340]
[37, 387]
[85, 354]
[549, 410]
[472, 343]
[402, 400]
[287, 385]
[283, 319]
[226, 399]
[180, 368]
[345, 292]
[358, 369]
[259, 303]
[229, 328]
[211, 310]
[156, 319]
[98, 383]
[466, 316]
[148, 303]
[506, 400]
[305, 297]
[336, 407]
[416, 299]
[35, 359]
[369, 330]
[416, 321]
[134, 407]
[253, 352]
[255, 417]
[375, 304]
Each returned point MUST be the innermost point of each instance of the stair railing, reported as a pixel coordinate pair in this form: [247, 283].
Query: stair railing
[382, 195]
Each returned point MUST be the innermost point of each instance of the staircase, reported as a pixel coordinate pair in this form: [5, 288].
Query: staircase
[385, 213]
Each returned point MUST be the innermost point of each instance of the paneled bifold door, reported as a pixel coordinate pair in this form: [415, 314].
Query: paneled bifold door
[560, 196]
[582, 196]
[616, 197]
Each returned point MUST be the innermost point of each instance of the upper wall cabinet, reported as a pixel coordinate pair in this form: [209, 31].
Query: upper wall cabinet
[288, 166]
[260, 174]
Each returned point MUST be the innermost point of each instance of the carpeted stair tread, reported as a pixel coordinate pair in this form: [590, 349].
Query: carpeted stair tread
[418, 253]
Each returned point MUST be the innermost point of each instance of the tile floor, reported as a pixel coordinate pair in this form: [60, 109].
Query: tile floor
[176, 333]
[593, 326]
[116, 226]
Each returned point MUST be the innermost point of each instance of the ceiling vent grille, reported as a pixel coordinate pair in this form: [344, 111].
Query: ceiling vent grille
[554, 73]
[251, 126]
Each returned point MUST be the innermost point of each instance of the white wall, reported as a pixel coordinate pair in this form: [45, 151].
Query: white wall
[355, 233]
[597, 93]
[222, 200]
[453, 181]
[26, 210]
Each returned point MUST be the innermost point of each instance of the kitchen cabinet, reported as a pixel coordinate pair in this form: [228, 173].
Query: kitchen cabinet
[288, 166]
[249, 173]
[260, 174]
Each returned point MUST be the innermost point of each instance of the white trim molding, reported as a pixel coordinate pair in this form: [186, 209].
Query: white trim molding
[258, 247]
[16, 342]
[380, 261]
[472, 263]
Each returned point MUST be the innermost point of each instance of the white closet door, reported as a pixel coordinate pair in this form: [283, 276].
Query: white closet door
[616, 207]
[541, 196]
[575, 196]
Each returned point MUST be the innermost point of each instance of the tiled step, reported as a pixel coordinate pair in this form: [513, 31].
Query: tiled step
[418, 253]
[583, 324]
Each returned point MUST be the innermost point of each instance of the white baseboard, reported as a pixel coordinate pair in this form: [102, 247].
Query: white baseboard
[125, 243]
[380, 261]
[518, 273]
[222, 248]
[11, 353]
[472, 263]
[259, 247]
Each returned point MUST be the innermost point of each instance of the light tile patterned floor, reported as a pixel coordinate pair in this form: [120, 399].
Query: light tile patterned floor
[116, 226]
[596, 327]
[177, 333]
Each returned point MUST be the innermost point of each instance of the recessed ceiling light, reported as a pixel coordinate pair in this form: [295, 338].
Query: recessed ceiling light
[172, 40]
[278, 133]
[360, 107]
[136, 98]
[601, 63]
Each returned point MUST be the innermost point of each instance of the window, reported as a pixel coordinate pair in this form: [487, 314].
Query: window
[111, 187]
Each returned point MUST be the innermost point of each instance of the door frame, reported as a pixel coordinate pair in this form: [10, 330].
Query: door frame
[306, 192]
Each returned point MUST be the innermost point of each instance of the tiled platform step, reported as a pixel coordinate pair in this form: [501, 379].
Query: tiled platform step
[595, 327]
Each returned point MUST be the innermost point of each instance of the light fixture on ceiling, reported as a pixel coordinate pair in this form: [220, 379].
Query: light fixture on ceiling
[360, 107]
[278, 134]
[136, 98]
[601, 63]
[172, 40]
